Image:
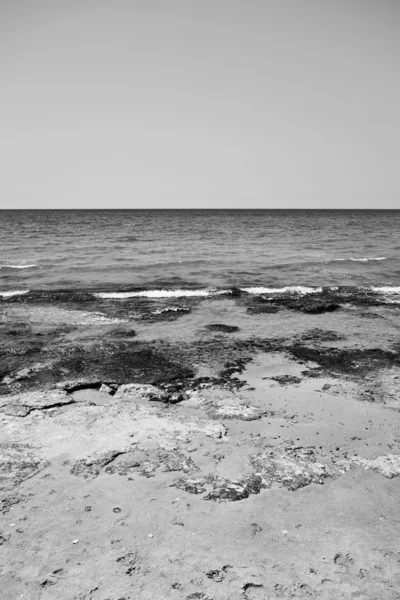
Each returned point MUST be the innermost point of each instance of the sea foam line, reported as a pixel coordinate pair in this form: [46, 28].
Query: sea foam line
[297, 289]
[386, 289]
[367, 259]
[162, 294]
[13, 293]
[31, 266]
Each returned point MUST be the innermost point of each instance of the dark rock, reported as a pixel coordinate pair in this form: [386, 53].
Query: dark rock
[79, 384]
[318, 335]
[346, 361]
[124, 333]
[225, 490]
[285, 379]
[192, 486]
[222, 328]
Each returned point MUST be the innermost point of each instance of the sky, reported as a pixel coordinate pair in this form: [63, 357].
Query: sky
[199, 104]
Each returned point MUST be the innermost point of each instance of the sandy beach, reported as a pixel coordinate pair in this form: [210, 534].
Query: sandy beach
[240, 471]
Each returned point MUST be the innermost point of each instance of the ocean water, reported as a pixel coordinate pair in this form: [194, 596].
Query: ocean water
[177, 253]
[119, 279]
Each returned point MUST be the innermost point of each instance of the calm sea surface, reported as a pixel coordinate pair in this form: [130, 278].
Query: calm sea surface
[112, 251]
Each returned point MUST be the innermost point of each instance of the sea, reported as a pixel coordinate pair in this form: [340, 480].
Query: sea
[170, 274]
[197, 252]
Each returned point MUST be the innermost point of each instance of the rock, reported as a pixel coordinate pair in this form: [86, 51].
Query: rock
[140, 391]
[92, 465]
[192, 486]
[292, 468]
[106, 389]
[387, 465]
[124, 333]
[285, 379]
[231, 408]
[20, 405]
[225, 490]
[79, 384]
[222, 328]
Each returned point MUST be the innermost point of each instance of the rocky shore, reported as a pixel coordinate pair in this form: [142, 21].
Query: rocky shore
[236, 462]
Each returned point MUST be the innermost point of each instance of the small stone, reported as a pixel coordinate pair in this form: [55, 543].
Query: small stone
[116, 509]
[106, 389]
[75, 541]
[150, 535]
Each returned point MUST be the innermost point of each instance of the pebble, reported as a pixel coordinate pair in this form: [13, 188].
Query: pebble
[150, 535]
[75, 541]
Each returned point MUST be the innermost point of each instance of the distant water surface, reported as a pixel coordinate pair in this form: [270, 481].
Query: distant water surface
[109, 251]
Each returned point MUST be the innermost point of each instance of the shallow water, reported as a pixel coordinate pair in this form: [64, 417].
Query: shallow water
[107, 251]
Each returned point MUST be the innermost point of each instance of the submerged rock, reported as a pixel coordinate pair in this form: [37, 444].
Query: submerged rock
[285, 379]
[222, 328]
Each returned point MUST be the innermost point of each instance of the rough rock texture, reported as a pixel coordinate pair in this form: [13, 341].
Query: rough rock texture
[230, 408]
[23, 404]
[388, 465]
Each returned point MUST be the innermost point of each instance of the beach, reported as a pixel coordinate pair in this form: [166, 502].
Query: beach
[210, 446]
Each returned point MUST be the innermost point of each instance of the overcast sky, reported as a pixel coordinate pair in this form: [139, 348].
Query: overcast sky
[200, 103]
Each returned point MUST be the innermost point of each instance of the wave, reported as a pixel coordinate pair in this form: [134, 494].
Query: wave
[368, 259]
[294, 289]
[13, 293]
[163, 294]
[168, 309]
[386, 289]
[23, 266]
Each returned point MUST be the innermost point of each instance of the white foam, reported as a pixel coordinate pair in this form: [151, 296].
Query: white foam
[386, 289]
[161, 294]
[297, 289]
[171, 309]
[13, 293]
[18, 266]
[367, 259]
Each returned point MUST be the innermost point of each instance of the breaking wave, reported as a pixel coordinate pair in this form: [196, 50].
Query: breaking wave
[22, 266]
[163, 294]
[293, 289]
[13, 293]
[367, 259]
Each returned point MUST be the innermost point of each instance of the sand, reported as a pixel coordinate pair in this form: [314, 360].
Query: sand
[275, 490]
